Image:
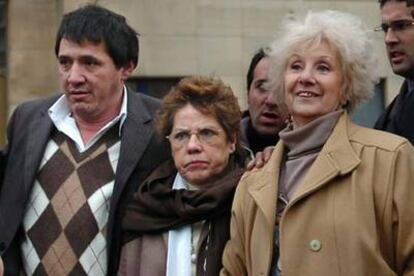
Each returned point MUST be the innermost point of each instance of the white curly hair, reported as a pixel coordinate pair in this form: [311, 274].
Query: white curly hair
[344, 33]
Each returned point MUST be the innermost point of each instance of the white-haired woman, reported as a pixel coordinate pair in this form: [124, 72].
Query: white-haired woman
[334, 198]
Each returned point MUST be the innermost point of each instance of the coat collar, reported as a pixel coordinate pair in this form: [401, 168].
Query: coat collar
[337, 157]
[37, 138]
[136, 134]
[263, 185]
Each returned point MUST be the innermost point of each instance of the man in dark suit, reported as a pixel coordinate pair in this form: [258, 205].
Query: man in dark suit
[74, 159]
[397, 18]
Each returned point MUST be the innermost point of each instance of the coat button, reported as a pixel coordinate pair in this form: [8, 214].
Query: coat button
[315, 245]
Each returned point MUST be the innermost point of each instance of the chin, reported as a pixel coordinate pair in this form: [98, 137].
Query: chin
[196, 179]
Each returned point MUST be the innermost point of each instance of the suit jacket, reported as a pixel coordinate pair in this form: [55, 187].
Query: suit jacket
[352, 214]
[399, 115]
[28, 133]
[3, 163]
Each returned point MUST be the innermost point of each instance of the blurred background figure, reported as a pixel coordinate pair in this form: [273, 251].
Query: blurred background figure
[178, 221]
[264, 119]
[397, 17]
[335, 198]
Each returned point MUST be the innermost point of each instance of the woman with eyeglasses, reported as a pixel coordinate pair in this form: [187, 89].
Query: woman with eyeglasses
[177, 223]
[334, 198]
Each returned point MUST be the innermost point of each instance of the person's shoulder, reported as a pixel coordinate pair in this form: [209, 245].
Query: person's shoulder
[377, 138]
[150, 102]
[257, 178]
[149, 99]
[38, 104]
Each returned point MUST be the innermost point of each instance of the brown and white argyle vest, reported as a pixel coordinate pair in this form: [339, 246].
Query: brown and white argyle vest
[67, 213]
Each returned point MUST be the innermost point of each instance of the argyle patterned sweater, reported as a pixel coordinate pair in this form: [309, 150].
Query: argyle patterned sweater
[66, 216]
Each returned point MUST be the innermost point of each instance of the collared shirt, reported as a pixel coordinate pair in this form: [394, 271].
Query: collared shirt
[62, 118]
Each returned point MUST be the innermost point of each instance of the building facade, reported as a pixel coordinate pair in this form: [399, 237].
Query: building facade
[177, 38]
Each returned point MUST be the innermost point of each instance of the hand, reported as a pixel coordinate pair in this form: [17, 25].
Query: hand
[261, 158]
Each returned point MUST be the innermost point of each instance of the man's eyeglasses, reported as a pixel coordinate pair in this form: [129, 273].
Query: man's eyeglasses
[396, 26]
[180, 138]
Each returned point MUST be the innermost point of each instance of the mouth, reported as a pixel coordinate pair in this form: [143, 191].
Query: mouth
[269, 118]
[270, 115]
[396, 56]
[306, 94]
[195, 164]
[77, 94]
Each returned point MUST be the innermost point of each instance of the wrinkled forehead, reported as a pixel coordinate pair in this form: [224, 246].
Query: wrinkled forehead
[313, 45]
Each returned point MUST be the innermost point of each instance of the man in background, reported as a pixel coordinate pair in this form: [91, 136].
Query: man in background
[263, 120]
[397, 18]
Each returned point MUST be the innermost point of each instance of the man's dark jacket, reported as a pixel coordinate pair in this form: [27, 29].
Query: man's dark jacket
[398, 118]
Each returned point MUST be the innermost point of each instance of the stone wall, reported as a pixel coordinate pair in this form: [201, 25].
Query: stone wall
[178, 38]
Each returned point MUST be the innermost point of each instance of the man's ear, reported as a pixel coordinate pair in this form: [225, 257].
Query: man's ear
[127, 70]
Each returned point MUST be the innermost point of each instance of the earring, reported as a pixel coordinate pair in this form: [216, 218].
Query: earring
[289, 120]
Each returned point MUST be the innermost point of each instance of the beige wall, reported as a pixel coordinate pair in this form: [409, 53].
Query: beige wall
[31, 31]
[178, 37]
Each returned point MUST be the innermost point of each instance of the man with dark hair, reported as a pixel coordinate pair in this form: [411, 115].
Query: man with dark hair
[263, 120]
[397, 18]
[73, 160]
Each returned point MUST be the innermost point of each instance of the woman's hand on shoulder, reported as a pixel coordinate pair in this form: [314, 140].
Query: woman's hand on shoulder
[261, 158]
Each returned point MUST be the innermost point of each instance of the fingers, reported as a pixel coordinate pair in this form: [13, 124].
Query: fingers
[261, 158]
[267, 153]
[257, 162]
[250, 165]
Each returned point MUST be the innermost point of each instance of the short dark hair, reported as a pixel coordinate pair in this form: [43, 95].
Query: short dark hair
[96, 24]
[253, 63]
[409, 2]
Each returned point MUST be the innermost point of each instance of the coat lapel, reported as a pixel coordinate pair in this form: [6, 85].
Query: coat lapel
[136, 133]
[264, 188]
[37, 138]
[337, 157]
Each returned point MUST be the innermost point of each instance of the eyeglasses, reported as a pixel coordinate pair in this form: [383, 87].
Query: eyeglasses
[396, 26]
[207, 136]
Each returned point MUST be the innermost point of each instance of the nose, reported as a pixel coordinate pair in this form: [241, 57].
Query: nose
[270, 99]
[76, 74]
[390, 37]
[306, 77]
[194, 144]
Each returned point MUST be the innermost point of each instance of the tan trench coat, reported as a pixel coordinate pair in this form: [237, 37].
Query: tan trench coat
[352, 215]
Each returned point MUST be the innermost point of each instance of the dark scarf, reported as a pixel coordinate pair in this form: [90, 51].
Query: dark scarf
[157, 208]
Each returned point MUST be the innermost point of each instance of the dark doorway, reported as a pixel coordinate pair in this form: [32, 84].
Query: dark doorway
[156, 87]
